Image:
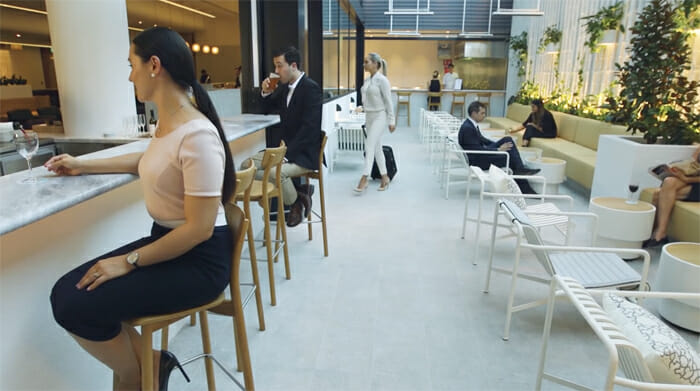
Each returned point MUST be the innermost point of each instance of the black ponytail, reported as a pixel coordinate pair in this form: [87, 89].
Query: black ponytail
[206, 107]
[176, 58]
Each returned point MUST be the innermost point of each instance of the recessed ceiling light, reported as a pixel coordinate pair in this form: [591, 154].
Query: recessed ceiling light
[18, 35]
[140, 22]
[196, 11]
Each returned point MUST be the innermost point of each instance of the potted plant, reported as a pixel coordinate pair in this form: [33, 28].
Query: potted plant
[518, 44]
[603, 24]
[549, 40]
[656, 99]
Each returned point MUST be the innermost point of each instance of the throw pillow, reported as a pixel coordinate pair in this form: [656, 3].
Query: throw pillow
[669, 357]
[497, 180]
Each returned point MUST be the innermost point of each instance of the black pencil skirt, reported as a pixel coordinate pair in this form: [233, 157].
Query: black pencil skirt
[190, 280]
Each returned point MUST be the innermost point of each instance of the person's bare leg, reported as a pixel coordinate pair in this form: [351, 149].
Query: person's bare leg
[671, 190]
[118, 354]
[385, 181]
[363, 183]
[526, 143]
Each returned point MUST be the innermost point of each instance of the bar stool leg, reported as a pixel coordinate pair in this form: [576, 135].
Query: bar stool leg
[206, 346]
[282, 225]
[164, 338]
[254, 269]
[322, 196]
[146, 357]
[268, 248]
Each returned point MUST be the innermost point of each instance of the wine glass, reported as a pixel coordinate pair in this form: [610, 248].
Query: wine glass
[142, 123]
[27, 143]
[633, 187]
[130, 123]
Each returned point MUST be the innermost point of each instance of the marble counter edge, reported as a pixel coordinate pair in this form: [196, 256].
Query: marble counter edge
[16, 214]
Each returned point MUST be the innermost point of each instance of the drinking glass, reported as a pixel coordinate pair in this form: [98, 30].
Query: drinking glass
[633, 187]
[142, 123]
[27, 143]
[130, 123]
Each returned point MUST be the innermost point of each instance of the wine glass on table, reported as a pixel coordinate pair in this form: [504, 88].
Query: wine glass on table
[27, 143]
[142, 123]
[633, 187]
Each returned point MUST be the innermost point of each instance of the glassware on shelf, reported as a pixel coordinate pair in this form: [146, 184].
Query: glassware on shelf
[632, 197]
[27, 143]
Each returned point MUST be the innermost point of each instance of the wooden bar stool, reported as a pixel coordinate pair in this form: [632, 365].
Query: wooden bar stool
[404, 98]
[458, 100]
[485, 99]
[431, 103]
[262, 191]
[315, 217]
[149, 324]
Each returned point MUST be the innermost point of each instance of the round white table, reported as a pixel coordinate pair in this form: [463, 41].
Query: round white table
[621, 224]
[679, 271]
[552, 169]
[530, 153]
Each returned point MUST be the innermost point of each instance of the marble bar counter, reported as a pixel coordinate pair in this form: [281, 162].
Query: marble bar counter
[47, 229]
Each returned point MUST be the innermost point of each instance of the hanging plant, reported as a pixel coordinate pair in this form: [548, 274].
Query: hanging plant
[518, 44]
[607, 18]
[656, 98]
[552, 35]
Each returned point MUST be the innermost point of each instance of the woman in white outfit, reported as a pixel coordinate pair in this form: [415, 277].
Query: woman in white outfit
[376, 98]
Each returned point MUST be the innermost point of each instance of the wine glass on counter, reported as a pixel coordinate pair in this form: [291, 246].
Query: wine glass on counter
[27, 143]
[142, 124]
[633, 187]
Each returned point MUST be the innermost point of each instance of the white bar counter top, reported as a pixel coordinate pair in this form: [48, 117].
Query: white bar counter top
[23, 204]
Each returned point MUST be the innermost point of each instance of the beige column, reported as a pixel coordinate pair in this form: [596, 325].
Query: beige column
[90, 41]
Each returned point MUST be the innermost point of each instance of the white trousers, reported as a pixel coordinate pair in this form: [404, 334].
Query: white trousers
[376, 124]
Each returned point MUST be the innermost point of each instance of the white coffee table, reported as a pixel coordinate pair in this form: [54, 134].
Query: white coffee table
[679, 271]
[621, 224]
[530, 153]
[552, 169]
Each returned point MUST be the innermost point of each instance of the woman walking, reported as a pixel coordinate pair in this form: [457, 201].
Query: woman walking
[376, 98]
[540, 123]
[186, 173]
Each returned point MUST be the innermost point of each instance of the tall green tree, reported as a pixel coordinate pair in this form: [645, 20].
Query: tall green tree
[656, 98]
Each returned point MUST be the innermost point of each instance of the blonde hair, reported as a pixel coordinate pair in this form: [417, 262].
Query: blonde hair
[377, 59]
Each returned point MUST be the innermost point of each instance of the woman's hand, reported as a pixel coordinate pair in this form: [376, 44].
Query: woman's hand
[64, 164]
[679, 174]
[392, 128]
[359, 109]
[104, 270]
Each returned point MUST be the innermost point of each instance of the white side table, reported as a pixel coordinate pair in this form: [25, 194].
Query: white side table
[621, 224]
[679, 271]
[554, 170]
[530, 153]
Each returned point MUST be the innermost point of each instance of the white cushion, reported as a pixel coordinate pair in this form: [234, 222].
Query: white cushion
[669, 357]
[497, 180]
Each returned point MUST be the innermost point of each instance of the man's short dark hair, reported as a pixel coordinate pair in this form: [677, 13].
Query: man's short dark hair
[474, 107]
[451, 66]
[291, 55]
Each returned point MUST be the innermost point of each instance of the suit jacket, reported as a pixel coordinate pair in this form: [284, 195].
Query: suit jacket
[470, 138]
[300, 125]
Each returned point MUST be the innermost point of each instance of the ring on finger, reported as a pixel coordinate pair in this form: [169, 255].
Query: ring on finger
[96, 275]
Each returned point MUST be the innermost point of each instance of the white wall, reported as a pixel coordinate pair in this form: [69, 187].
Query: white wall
[410, 63]
[25, 62]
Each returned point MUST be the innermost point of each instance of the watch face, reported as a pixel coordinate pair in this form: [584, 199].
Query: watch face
[132, 257]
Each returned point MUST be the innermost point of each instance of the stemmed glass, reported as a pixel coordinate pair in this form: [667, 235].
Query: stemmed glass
[142, 123]
[27, 143]
[632, 187]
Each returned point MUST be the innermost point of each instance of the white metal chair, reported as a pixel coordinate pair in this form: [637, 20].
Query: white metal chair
[626, 364]
[594, 267]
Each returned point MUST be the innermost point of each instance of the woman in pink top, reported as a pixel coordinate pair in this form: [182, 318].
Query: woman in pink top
[186, 172]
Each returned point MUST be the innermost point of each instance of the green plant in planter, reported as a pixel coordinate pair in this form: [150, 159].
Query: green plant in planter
[518, 44]
[656, 98]
[607, 18]
[551, 35]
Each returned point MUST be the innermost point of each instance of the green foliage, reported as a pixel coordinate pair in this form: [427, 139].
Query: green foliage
[656, 98]
[607, 18]
[518, 44]
[551, 35]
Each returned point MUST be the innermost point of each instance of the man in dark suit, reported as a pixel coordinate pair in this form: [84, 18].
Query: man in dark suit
[470, 138]
[297, 99]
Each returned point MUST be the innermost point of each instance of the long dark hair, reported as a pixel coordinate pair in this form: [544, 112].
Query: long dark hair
[176, 58]
[537, 117]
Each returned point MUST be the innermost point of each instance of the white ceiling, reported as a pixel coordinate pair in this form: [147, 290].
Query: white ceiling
[34, 27]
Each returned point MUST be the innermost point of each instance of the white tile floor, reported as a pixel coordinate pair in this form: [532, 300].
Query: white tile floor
[398, 304]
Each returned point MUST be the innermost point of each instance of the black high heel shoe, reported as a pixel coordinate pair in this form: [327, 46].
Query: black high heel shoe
[168, 361]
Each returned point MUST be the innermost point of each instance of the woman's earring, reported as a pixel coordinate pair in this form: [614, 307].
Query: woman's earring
[153, 75]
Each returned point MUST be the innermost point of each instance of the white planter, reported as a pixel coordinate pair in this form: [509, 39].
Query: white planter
[609, 37]
[622, 160]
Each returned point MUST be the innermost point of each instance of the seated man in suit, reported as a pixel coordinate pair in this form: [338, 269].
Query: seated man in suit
[297, 99]
[470, 138]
